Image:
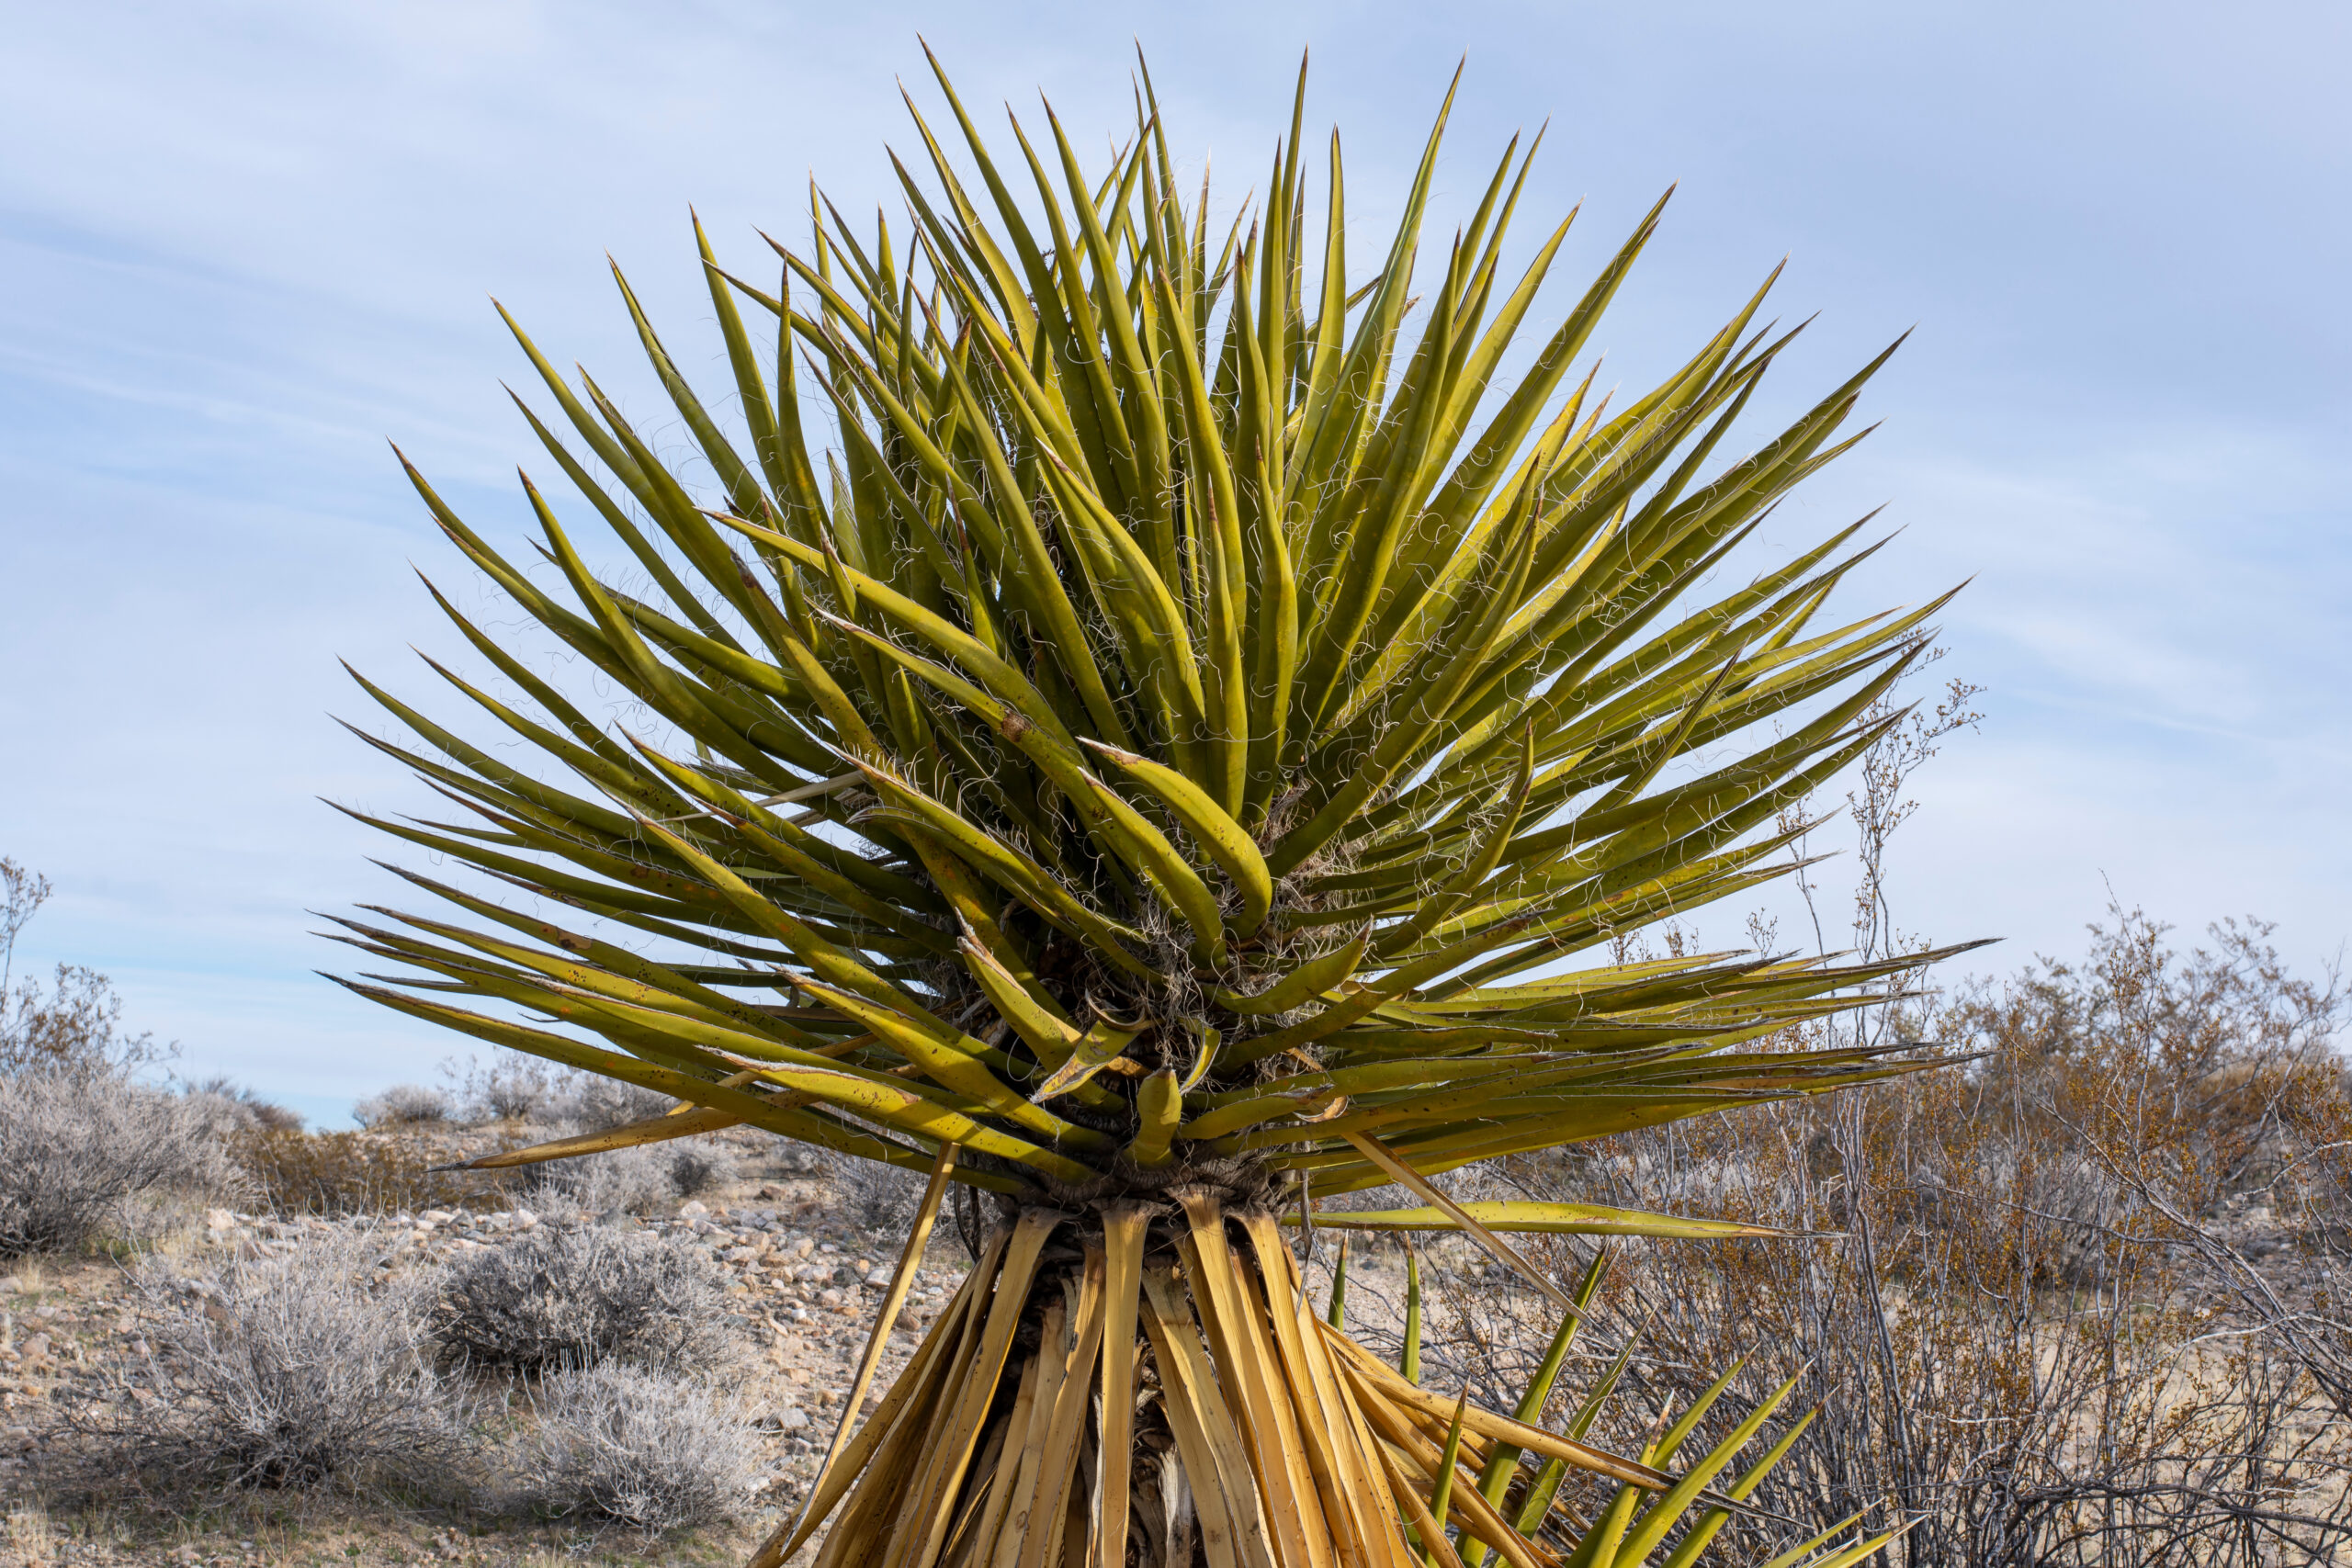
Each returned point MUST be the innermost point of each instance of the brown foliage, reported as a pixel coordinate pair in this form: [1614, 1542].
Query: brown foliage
[354, 1173]
[2077, 1301]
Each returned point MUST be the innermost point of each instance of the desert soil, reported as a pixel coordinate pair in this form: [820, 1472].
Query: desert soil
[806, 1284]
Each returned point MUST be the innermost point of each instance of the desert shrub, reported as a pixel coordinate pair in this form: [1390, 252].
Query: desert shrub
[627, 1180]
[75, 1024]
[302, 1370]
[697, 1167]
[597, 1102]
[625, 1446]
[556, 1298]
[240, 1108]
[402, 1104]
[344, 1173]
[632, 1180]
[874, 1197]
[84, 1154]
[2018, 1298]
[512, 1087]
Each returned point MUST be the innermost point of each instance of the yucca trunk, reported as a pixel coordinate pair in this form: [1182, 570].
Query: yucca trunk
[1163, 774]
[1106, 1390]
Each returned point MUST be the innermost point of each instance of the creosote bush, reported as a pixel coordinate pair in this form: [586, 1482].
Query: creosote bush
[509, 1087]
[299, 1370]
[556, 1298]
[2028, 1302]
[872, 1197]
[619, 1445]
[74, 1024]
[83, 1156]
[697, 1168]
[592, 1101]
[630, 1181]
[240, 1108]
[86, 1151]
[344, 1173]
[403, 1104]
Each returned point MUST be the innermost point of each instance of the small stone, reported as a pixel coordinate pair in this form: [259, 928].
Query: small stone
[694, 1209]
[219, 1219]
[830, 1298]
[792, 1420]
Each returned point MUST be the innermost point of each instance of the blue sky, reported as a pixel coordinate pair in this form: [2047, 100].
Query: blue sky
[242, 244]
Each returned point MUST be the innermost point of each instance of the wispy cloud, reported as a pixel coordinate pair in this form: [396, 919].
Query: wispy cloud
[241, 245]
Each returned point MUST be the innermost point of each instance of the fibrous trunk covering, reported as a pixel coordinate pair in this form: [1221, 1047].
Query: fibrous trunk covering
[1104, 1390]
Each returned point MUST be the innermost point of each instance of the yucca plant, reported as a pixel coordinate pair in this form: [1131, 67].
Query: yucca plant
[1151, 772]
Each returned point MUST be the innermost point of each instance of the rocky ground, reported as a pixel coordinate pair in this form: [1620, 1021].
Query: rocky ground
[805, 1281]
[806, 1259]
